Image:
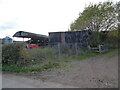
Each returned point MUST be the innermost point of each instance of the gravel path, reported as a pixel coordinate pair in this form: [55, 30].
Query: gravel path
[15, 81]
[97, 72]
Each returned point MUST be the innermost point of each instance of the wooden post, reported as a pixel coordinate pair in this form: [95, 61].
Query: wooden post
[59, 51]
[100, 48]
[76, 49]
[89, 47]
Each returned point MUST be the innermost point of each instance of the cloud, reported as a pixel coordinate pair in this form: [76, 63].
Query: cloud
[8, 25]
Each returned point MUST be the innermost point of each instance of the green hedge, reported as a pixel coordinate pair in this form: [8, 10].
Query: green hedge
[113, 39]
[12, 53]
[109, 38]
[17, 54]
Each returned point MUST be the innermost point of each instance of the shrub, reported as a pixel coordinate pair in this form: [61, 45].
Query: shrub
[113, 39]
[16, 54]
[12, 53]
[94, 39]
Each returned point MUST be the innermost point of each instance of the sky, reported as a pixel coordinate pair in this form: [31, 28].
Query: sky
[39, 16]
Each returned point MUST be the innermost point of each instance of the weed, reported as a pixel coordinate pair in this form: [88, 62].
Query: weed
[88, 55]
[50, 65]
[14, 68]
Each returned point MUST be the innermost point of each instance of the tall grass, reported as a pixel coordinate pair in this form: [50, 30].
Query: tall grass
[17, 58]
[42, 53]
[89, 54]
[18, 54]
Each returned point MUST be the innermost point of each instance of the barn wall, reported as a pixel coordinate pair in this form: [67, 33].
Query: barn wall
[79, 37]
[54, 37]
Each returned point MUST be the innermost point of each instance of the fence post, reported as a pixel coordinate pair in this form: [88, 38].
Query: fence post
[100, 50]
[76, 48]
[59, 51]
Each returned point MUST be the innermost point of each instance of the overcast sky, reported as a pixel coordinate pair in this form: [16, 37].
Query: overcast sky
[39, 16]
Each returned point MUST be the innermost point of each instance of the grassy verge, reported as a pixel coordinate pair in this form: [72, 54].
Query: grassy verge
[52, 64]
[14, 68]
[111, 56]
[88, 55]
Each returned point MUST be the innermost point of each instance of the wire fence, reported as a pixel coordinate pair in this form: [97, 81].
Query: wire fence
[69, 49]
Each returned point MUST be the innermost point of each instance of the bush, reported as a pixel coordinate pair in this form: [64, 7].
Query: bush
[94, 39]
[17, 54]
[108, 38]
[14, 53]
[113, 39]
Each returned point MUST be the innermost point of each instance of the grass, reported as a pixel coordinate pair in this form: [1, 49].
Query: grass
[53, 64]
[89, 55]
[14, 68]
[112, 56]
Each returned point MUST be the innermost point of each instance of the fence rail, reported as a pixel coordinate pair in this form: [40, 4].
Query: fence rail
[99, 48]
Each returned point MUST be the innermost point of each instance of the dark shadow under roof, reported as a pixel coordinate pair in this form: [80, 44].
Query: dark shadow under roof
[24, 34]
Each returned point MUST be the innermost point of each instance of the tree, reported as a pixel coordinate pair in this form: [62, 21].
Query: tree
[96, 18]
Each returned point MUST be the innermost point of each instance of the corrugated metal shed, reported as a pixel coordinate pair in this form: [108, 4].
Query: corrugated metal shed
[24, 34]
[69, 37]
[35, 38]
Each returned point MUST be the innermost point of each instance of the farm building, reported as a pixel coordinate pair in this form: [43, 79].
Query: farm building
[69, 37]
[7, 40]
[34, 38]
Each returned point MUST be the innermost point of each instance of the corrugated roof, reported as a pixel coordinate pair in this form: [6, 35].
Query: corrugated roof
[28, 35]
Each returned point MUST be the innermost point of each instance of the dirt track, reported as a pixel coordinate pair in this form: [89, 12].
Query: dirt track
[13, 81]
[97, 72]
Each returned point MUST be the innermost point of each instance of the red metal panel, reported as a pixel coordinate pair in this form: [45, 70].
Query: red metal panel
[33, 46]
